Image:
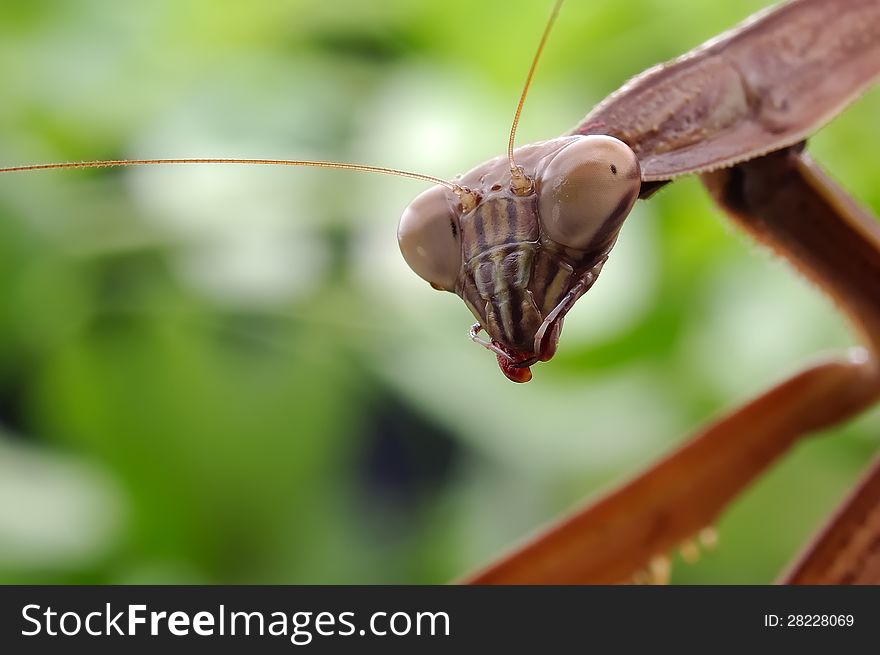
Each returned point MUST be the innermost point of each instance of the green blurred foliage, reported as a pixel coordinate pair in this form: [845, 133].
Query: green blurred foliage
[229, 375]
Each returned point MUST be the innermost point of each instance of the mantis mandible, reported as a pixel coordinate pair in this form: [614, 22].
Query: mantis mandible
[520, 238]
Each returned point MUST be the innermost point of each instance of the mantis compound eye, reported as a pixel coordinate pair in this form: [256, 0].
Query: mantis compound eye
[430, 238]
[587, 190]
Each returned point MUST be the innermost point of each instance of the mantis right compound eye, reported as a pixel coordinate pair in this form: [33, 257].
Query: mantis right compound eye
[429, 236]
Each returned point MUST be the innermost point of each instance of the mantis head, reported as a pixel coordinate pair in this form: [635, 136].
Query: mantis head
[521, 245]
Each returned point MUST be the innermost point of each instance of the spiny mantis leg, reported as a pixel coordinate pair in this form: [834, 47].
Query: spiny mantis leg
[806, 217]
[787, 203]
[612, 538]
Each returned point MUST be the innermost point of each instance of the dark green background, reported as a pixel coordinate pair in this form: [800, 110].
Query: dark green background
[229, 375]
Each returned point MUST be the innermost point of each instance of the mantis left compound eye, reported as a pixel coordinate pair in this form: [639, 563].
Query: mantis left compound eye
[587, 190]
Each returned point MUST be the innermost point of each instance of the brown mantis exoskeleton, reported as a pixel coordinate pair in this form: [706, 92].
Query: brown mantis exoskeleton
[520, 238]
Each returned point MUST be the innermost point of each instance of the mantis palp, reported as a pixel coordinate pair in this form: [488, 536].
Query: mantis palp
[667, 145]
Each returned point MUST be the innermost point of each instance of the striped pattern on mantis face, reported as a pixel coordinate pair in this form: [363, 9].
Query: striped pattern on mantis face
[520, 258]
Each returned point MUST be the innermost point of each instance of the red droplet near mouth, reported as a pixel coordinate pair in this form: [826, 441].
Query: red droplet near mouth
[513, 372]
[515, 364]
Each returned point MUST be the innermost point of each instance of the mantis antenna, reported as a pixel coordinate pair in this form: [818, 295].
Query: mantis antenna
[468, 198]
[522, 184]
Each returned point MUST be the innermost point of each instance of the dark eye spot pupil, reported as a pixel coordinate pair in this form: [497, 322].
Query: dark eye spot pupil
[496, 187]
[454, 229]
[613, 169]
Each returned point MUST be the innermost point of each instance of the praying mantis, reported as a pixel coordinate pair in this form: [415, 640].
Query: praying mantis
[735, 114]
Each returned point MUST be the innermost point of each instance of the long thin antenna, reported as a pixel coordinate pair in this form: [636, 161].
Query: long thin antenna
[108, 163]
[466, 195]
[521, 183]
